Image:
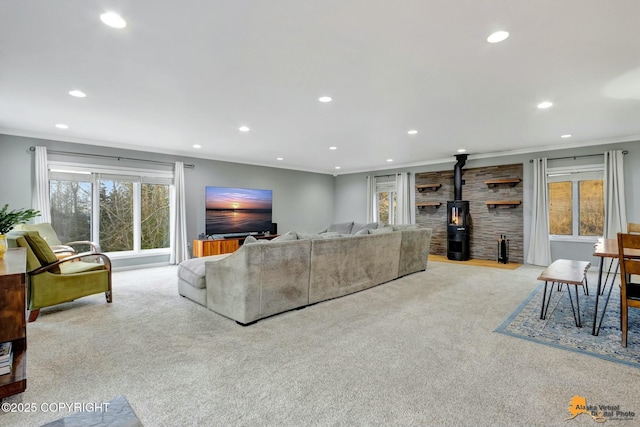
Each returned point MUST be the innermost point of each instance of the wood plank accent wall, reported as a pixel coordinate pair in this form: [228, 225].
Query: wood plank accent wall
[487, 223]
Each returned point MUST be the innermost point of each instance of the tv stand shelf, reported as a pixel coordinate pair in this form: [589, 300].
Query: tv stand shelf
[222, 246]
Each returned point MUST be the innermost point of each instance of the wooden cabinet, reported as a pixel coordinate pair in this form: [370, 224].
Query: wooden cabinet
[13, 319]
[221, 246]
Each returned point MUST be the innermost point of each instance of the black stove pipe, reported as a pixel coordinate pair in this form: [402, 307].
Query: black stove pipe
[457, 176]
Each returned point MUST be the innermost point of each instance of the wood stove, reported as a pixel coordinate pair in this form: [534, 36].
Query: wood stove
[458, 230]
[458, 225]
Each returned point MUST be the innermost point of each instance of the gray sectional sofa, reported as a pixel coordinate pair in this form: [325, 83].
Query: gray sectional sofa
[262, 279]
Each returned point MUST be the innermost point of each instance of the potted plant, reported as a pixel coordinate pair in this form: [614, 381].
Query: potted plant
[8, 219]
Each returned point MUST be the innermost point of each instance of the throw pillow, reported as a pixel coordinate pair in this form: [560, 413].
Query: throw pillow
[41, 249]
[342, 227]
[357, 226]
[249, 240]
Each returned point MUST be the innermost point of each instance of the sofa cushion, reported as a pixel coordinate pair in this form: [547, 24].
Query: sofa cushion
[330, 235]
[383, 230]
[193, 272]
[308, 236]
[362, 232]
[341, 227]
[358, 226]
[405, 227]
[286, 237]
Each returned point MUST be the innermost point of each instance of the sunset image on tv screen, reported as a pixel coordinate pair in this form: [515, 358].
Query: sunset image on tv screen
[237, 210]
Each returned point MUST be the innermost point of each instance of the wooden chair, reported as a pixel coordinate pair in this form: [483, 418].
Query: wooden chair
[629, 257]
[52, 281]
[633, 228]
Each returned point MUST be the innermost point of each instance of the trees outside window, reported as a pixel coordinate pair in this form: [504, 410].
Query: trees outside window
[123, 213]
[576, 203]
[71, 209]
[386, 201]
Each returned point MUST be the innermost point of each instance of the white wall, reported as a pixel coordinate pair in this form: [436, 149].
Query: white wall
[351, 188]
[301, 200]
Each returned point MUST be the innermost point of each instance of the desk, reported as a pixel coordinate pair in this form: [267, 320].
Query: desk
[606, 248]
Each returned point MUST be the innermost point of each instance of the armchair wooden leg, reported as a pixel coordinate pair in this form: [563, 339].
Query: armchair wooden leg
[33, 315]
[109, 293]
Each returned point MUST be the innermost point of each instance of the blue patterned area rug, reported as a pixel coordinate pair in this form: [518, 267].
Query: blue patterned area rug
[559, 329]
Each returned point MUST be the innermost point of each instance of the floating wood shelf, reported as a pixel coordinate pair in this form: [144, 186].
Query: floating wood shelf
[423, 187]
[428, 205]
[511, 182]
[508, 203]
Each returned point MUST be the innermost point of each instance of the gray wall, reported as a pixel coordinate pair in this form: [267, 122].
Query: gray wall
[301, 200]
[351, 188]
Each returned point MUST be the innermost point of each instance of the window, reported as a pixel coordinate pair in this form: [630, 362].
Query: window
[576, 202]
[386, 198]
[71, 200]
[125, 211]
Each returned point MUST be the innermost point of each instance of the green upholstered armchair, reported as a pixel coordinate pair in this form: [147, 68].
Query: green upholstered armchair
[60, 249]
[52, 281]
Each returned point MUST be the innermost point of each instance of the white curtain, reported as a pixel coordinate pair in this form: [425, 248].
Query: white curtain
[539, 249]
[615, 210]
[40, 194]
[403, 199]
[179, 248]
[372, 199]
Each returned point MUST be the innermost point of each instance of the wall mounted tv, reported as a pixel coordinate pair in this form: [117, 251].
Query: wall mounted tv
[237, 210]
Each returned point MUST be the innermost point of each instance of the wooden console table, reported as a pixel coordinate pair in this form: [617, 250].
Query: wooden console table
[222, 246]
[13, 318]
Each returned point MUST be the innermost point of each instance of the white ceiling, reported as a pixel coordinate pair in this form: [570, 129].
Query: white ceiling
[193, 71]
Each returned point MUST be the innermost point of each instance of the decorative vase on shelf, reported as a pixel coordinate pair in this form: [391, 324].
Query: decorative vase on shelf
[3, 245]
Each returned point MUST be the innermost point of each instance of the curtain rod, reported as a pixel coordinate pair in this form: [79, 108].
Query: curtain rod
[391, 174]
[575, 157]
[106, 156]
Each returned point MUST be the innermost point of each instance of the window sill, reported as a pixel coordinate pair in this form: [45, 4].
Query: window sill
[574, 239]
[142, 254]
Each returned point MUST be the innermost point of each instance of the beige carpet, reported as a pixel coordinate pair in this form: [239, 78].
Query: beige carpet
[419, 351]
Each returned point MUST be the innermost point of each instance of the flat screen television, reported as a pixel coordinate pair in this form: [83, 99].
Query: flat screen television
[237, 210]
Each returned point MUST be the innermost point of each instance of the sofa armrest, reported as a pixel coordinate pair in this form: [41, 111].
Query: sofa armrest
[259, 280]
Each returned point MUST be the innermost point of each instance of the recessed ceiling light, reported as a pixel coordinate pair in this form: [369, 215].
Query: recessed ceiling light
[545, 104]
[324, 99]
[333, 148]
[77, 93]
[279, 158]
[389, 160]
[566, 136]
[197, 146]
[461, 150]
[337, 167]
[498, 36]
[114, 20]
[412, 132]
[244, 129]
[62, 126]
